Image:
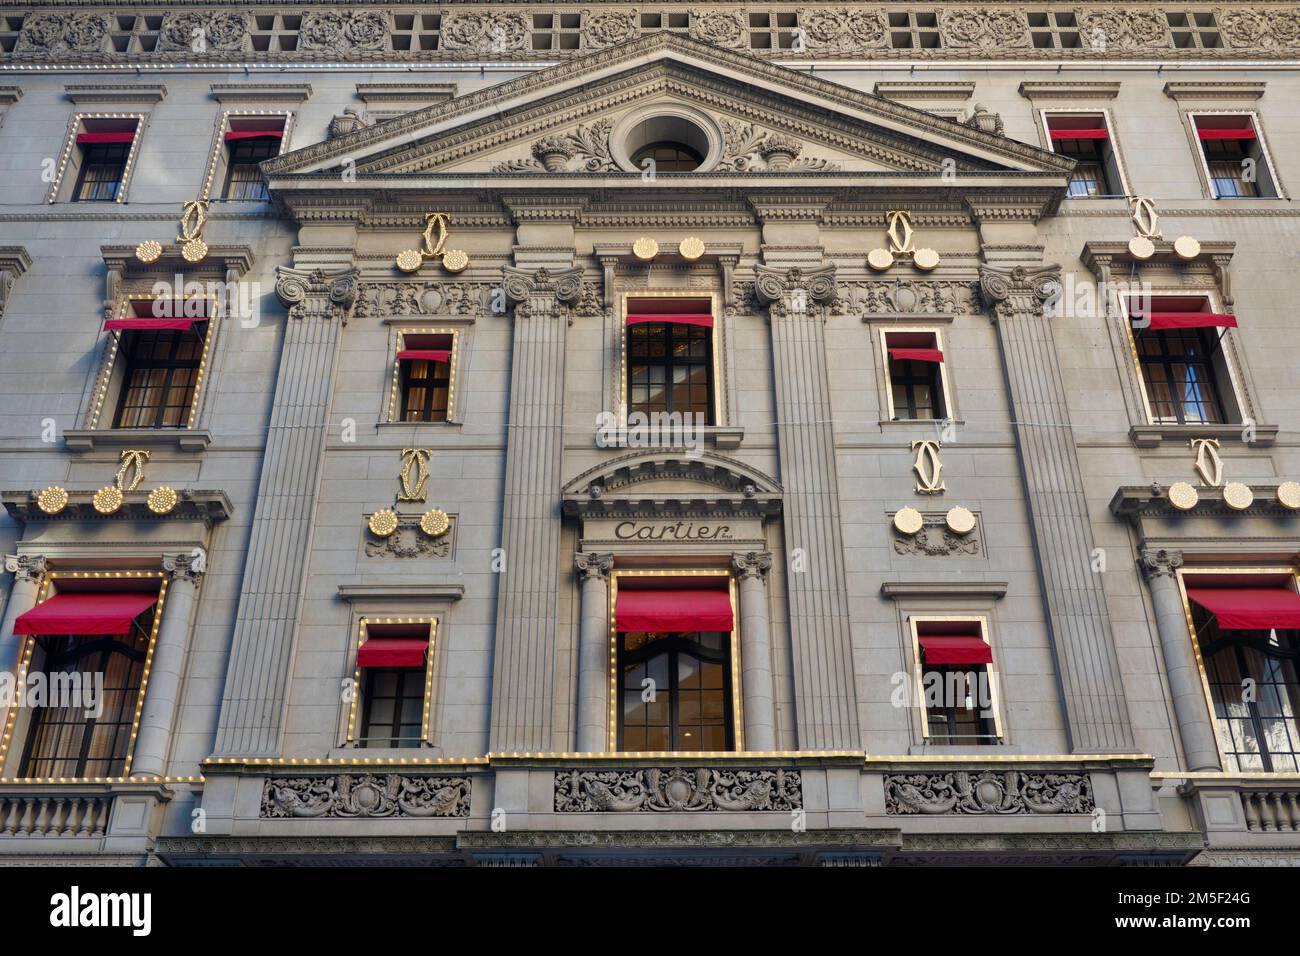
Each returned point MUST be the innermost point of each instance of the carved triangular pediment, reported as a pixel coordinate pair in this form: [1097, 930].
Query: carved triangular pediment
[580, 119]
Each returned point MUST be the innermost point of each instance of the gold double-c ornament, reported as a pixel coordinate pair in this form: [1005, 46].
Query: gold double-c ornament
[433, 246]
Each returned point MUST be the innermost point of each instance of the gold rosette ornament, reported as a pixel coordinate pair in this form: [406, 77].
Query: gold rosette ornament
[162, 500]
[108, 500]
[52, 500]
[435, 523]
[149, 251]
[383, 522]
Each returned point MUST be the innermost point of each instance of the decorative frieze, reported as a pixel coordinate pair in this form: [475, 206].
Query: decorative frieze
[928, 297]
[409, 541]
[994, 792]
[424, 297]
[677, 790]
[936, 539]
[365, 795]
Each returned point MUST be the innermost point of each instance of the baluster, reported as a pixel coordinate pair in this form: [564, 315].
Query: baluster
[101, 818]
[70, 821]
[25, 824]
[1248, 805]
[55, 823]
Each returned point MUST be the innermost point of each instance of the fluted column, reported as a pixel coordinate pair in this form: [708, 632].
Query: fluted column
[755, 649]
[27, 570]
[593, 652]
[275, 569]
[149, 758]
[1078, 619]
[1190, 706]
[523, 664]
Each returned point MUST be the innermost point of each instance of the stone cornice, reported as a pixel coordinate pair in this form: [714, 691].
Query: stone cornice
[924, 90]
[260, 92]
[97, 94]
[1214, 91]
[1069, 89]
[207, 506]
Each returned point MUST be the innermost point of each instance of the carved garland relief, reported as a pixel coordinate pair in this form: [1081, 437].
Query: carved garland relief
[988, 792]
[365, 795]
[677, 790]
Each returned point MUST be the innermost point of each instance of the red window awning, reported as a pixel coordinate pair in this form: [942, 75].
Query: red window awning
[678, 318]
[392, 652]
[1188, 320]
[916, 355]
[673, 610]
[234, 134]
[955, 649]
[95, 138]
[1080, 134]
[428, 355]
[86, 612]
[1250, 609]
[1240, 133]
[142, 322]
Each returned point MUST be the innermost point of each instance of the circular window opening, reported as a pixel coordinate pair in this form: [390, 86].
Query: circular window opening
[673, 143]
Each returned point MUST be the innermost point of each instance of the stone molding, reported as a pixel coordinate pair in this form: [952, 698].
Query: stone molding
[677, 790]
[989, 792]
[365, 795]
[14, 261]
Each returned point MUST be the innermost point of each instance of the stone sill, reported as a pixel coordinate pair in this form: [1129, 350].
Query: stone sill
[182, 439]
[1152, 436]
[720, 436]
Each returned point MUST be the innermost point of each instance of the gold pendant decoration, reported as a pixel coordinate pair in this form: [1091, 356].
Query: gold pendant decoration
[414, 474]
[960, 520]
[133, 461]
[162, 500]
[437, 226]
[107, 500]
[1208, 463]
[1183, 496]
[691, 247]
[435, 523]
[1238, 496]
[645, 248]
[383, 522]
[908, 521]
[149, 251]
[52, 500]
[1288, 495]
[928, 467]
[901, 243]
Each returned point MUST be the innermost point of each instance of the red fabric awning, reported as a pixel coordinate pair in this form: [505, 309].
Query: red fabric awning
[253, 133]
[1225, 133]
[680, 318]
[392, 652]
[428, 355]
[1188, 320]
[106, 137]
[1250, 609]
[86, 612]
[140, 322]
[955, 649]
[1080, 134]
[673, 610]
[916, 355]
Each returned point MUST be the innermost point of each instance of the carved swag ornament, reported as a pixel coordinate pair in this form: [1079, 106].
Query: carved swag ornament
[988, 792]
[677, 790]
[365, 795]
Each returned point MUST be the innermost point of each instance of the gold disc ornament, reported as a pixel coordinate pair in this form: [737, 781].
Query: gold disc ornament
[107, 500]
[1288, 494]
[194, 250]
[925, 259]
[1141, 247]
[645, 248]
[52, 500]
[691, 247]
[455, 260]
[1238, 496]
[908, 520]
[162, 500]
[880, 259]
[410, 260]
[435, 523]
[149, 251]
[1183, 496]
[1185, 247]
[383, 522]
[960, 520]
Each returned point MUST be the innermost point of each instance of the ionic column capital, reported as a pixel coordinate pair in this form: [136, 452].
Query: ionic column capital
[1019, 290]
[592, 565]
[27, 568]
[1160, 562]
[751, 564]
[185, 566]
[317, 294]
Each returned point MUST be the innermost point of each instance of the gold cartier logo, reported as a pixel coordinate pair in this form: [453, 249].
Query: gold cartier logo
[1208, 463]
[901, 240]
[927, 466]
[414, 474]
[133, 462]
[433, 246]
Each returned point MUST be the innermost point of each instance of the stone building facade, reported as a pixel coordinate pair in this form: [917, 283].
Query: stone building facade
[348, 354]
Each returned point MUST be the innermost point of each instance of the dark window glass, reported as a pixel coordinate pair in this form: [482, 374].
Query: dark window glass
[1252, 678]
[1091, 176]
[917, 388]
[959, 704]
[670, 368]
[394, 712]
[243, 178]
[425, 387]
[162, 370]
[1177, 369]
[1229, 160]
[689, 705]
[669, 157]
[64, 741]
[102, 167]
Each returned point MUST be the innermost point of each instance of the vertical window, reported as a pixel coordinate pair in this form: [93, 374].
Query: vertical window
[1234, 157]
[160, 377]
[915, 367]
[249, 141]
[1184, 370]
[394, 657]
[1085, 138]
[670, 356]
[424, 376]
[956, 682]
[676, 690]
[103, 149]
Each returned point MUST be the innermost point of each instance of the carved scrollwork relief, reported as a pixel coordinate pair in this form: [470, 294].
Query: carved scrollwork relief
[337, 31]
[747, 147]
[986, 29]
[317, 294]
[588, 144]
[365, 795]
[988, 792]
[918, 297]
[677, 790]
[62, 33]
[842, 30]
[1019, 290]
[935, 539]
[602, 30]
[721, 28]
[485, 32]
[201, 32]
[785, 290]
[424, 297]
[1105, 30]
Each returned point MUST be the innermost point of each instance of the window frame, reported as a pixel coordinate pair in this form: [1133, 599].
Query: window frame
[673, 648]
[918, 676]
[357, 707]
[734, 650]
[219, 156]
[69, 159]
[1234, 374]
[1207, 178]
[945, 397]
[1292, 575]
[28, 649]
[716, 383]
[396, 388]
[1116, 155]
